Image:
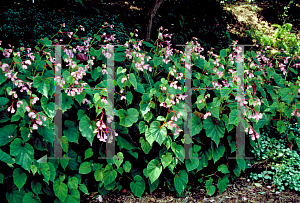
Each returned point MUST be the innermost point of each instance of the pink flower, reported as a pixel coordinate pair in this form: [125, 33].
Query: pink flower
[98, 124]
[35, 127]
[39, 122]
[31, 114]
[207, 114]
[19, 103]
[12, 110]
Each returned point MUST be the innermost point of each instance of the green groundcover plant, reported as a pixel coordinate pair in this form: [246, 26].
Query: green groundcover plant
[150, 112]
[284, 169]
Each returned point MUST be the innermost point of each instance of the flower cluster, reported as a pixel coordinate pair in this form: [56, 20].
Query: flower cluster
[252, 133]
[37, 121]
[293, 113]
[100, 126]
[175, 117]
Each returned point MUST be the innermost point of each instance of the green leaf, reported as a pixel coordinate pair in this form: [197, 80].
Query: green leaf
[191, 164]
[3, 117]
[146, 147]
[15, 196]
[223, 168]
[132, 80]
[65, 143]
[178, 151]
[154, 185]
[158, 132]
[137, 186]
[196, 125]
[47, 131]
[71, 131]
[223, 53]
[24, 134]
[127, 166]
[154, 170]
[86, 128]
[45, 169]
[48, 108]
[79, 98]
[88, 153]
[33, 169]
[109, 174]
[145, 104]
[233, 117]
[223, 183]
[3, 101]
[36, 187]
[42, 86]
[83, 188]
[23, 153]
[73, 183]
[157, 61]
[85, 168]
[209, 187]
[281, 126]
[180, 181]
[19, 178]
[98, 175]
[148, 44]
[129, 97]
[31, 198]
[123, 143]
[214, 129]
[142, 127]
[64, 162]
[217, 152]
[60, 190]
[66, 102]
[241, 163]
[74, 196]
[6, 158]
[96, 73]
[140, 88]
[52, 171]
[127, 118]
[118, 159]
[119, 56]
[166, 160]
[6, 131]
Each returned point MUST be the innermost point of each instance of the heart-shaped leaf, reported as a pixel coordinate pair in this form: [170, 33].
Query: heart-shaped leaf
[127, 118]
[60, 190]
[137, 186]
[180, 181]
[223, 168]
[166, 159]
[158, 132]
[23, 153]
[19, 178]
[109, 175]
[42, 86]
[48, 108]
[214, 129]
[210, 189]
[154, 170]
[86, 129]
[85, 168]
[217, 152]
[223, 183]
[118, 159]
[32, 198]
